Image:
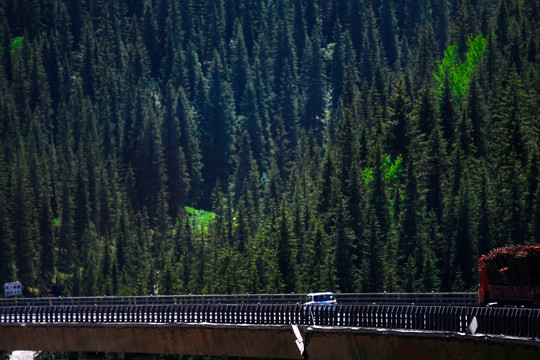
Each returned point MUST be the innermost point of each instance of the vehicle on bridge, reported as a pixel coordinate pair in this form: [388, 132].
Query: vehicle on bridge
[510, 275]
[320, 298]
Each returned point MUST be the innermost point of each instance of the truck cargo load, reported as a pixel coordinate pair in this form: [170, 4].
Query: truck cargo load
[510, 275]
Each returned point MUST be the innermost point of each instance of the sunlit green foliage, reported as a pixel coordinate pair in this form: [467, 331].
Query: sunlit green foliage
[390, 171]
[201, 219]
[16, 44]
[458, 72]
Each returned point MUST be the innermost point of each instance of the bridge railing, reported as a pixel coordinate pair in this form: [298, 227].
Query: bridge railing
[162, 299]
[518, 322]
[432, 298]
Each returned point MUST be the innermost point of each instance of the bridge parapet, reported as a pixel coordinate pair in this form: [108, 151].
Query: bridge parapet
[515, 322]
[430, 298]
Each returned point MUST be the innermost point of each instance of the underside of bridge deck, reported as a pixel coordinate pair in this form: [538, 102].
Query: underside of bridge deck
[264, 341]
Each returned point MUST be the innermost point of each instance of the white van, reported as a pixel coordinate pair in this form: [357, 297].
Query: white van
[320, 298]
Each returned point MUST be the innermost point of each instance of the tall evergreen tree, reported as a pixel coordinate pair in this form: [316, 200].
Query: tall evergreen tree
[7, 267]
[286, 81]
[239, 64]
[440, 15]
[398, 126]
[285, 255]
[426, 55]
[190, 145]
[217, 123]
[316, 87]
[171, 36]
[175, 162]
[510, 160]
[387, 25]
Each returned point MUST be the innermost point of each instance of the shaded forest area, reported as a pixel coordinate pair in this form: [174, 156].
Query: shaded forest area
[153, 146]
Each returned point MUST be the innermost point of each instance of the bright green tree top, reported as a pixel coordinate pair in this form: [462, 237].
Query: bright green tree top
[459, 73]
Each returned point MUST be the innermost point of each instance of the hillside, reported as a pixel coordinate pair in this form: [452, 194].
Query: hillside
[265, 146]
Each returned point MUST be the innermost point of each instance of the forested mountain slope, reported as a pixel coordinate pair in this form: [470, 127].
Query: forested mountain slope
[230, 146]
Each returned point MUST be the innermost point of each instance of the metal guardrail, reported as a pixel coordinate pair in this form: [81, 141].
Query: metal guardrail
[161, 299]
[460, 299]
[431, 298]
[516, 322]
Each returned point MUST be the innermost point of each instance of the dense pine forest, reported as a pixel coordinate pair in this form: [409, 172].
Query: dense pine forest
[233, 146]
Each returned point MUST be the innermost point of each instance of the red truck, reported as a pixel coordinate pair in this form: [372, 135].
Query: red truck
[510, 275]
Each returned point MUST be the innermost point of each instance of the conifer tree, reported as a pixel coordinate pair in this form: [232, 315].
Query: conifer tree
[344, 57]
[82, 202]
[510, 159]
[440, 15]
[463, 26]
[105, 270]
[484, 240]
[217, 122]
[175, 161]
[426, 55]
[502, 20]
[408, 242]
[299, 27]
[244, 158]
[474, 109]
[372, 266]
[460, 210]
[284, 247]
[398, 126]
[347, 246]
[242, 230]
[239, 63]
[168, 280]
[414, 15]
[258, 133]
[387, 25]
[150, 171]
[7, 266]
[286, 81]
[150, 34]
[88, 267]
[430, 150]
[326, 193]
[348, 164]
[173, 66]
[47, 255]
[427, 267]
[190, 145]
[315, 92]
[448, 114]
[183, 254]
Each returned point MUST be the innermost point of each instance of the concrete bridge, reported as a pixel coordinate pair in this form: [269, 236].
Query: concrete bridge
[284, 331]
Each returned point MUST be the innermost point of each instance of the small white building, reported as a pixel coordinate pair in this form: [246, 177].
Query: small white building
[12, 289]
